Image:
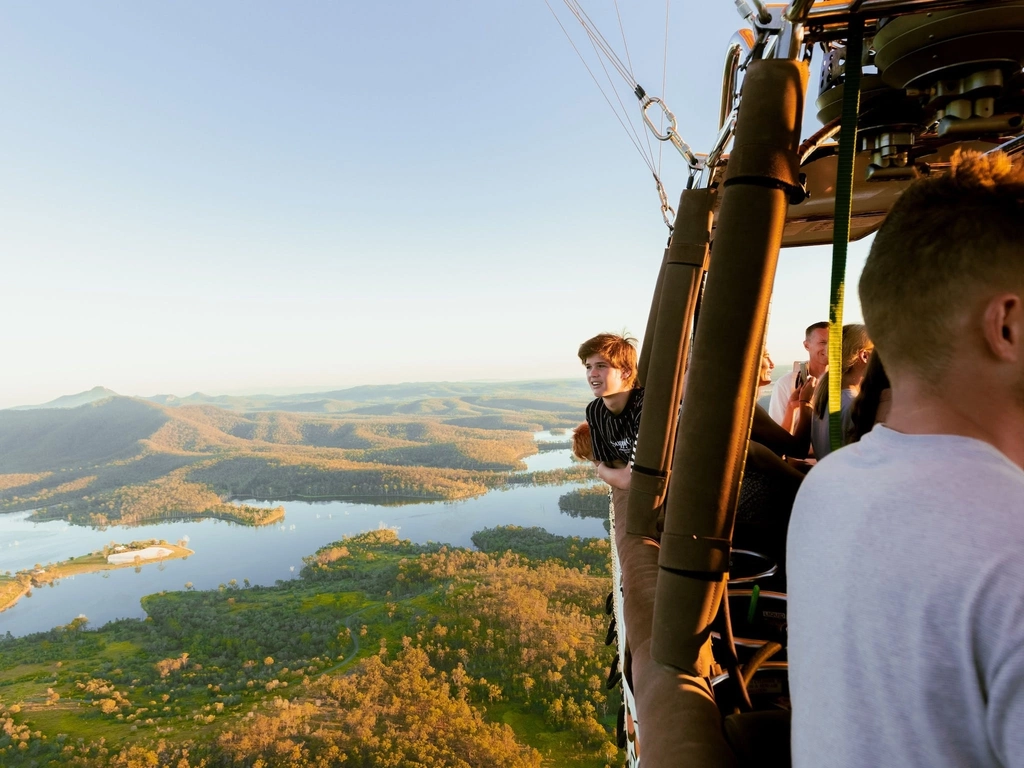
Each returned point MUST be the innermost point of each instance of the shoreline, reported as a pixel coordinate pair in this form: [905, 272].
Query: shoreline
[274, 515]
[17, 586]
[499, 512]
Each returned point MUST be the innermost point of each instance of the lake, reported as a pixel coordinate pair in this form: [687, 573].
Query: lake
[225, 551]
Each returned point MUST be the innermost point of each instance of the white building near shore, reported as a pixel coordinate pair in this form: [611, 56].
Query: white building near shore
[149, 553]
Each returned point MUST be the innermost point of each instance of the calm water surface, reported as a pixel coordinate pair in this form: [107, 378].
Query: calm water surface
[225, 551]
[549, 459]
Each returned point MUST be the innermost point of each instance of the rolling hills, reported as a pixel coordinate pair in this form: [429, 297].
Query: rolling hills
[129, 460]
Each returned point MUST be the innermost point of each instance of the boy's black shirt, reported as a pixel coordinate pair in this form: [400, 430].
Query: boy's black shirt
[614, 435]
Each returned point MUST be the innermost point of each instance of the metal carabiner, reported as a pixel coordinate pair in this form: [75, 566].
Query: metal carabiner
[670, 133]
[668, 213]
[648, 101]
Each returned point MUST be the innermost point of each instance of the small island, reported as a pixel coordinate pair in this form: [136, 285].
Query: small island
[113, 556]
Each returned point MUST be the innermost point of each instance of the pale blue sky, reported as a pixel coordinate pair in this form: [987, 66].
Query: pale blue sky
[249, 196]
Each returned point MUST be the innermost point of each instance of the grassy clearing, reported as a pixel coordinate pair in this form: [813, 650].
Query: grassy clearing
[121, 649]
[340, 601]
[557, 747]
[77, 720]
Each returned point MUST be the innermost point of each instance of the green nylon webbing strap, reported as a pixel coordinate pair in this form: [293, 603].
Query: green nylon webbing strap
[841, 226]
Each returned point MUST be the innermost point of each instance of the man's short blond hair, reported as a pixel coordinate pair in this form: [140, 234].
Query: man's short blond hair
[947, 239]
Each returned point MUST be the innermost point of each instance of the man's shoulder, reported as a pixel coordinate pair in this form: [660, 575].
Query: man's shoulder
[955, 500]
[946, 469]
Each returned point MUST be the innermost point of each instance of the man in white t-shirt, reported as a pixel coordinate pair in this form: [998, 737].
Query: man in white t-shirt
[906, 549]
[816, 344]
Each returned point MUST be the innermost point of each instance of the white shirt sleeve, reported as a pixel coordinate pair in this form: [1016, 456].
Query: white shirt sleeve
[780, 397]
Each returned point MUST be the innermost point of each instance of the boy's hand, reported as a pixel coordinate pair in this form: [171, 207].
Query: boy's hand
[616, 477]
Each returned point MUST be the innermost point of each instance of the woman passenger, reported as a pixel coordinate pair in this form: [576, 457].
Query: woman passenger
[872, 403]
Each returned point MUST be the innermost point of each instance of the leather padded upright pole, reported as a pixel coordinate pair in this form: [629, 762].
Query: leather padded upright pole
[676, 712]
[680, 281]
[652, 323]
[763, 173]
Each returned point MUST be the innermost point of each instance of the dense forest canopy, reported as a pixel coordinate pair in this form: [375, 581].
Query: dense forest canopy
[382, 653]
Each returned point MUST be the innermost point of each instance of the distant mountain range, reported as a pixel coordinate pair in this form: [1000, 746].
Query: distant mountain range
[376, 399]
[99, 426]
[72, 401]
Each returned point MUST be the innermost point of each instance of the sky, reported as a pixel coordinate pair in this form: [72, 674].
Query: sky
[251, 196]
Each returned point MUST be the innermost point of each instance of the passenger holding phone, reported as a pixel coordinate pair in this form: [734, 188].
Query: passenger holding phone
[816, 344]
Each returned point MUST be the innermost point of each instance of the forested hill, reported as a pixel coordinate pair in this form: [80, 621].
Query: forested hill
[127, 460]
[100, 432]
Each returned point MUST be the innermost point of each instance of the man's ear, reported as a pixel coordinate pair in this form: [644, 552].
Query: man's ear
[1003, 327]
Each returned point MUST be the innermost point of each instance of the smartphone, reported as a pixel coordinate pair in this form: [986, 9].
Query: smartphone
[801, 374]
